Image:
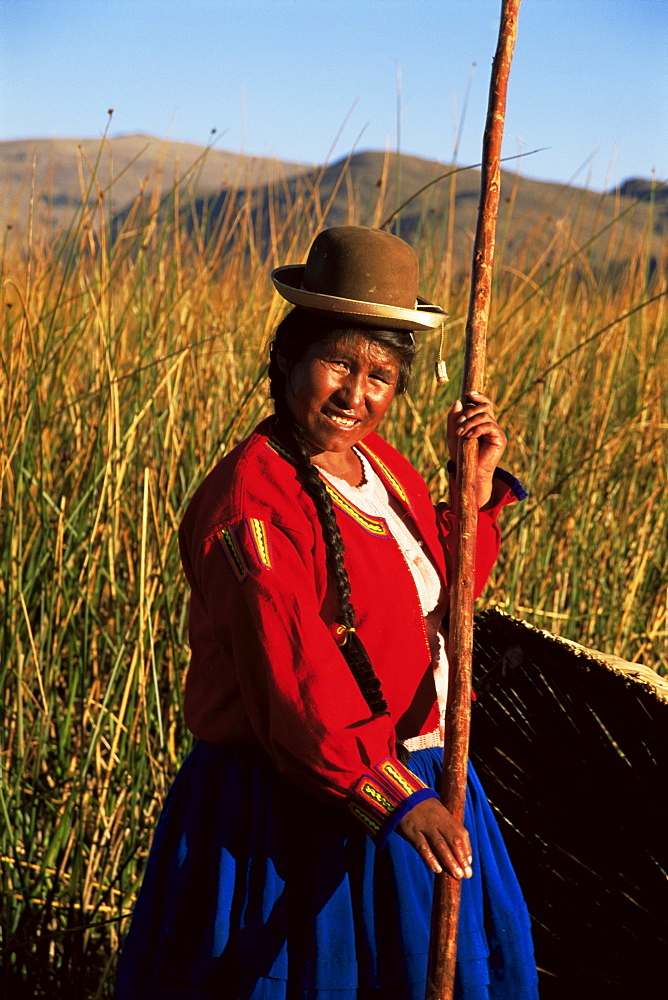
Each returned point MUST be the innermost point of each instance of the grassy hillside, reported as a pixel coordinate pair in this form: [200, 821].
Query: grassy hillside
[538, 221]
[130, 365]
[43, 180]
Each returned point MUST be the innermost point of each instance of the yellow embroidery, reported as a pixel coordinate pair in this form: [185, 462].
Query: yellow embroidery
[392, 774]
[374, 525]
[258, 533]
[374, 793]
[364, 817]
[391, 478]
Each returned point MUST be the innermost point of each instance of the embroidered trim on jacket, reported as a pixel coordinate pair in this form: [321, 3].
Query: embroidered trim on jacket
[373, 525]
[232, 549]
[260, 538]
[391, 478]
[274, 445]
[377, 794]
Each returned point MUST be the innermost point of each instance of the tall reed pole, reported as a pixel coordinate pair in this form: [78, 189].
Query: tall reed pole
[447, 892]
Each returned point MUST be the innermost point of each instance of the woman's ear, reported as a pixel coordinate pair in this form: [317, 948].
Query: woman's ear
[282, 363]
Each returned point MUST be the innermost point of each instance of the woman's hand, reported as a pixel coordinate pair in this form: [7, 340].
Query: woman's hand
[439, 839]
[475, 419]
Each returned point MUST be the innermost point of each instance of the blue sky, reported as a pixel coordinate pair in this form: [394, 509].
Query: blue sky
[293, 78]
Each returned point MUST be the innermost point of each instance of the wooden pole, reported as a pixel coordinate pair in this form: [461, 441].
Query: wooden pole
[445, 913]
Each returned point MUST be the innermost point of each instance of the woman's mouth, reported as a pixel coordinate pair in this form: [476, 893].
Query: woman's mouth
[345, 422]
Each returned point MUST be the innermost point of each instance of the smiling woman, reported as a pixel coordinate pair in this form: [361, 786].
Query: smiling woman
[338, 393]
[296, 853]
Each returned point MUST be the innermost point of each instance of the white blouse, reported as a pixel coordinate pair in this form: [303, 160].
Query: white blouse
[371, 496]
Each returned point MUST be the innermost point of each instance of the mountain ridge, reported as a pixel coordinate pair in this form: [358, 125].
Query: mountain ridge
[44, 181]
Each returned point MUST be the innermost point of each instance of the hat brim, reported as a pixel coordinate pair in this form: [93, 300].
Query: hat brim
[288, 280]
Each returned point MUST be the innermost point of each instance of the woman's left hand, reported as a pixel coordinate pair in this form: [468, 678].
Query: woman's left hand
[475, 419]
[439, 839]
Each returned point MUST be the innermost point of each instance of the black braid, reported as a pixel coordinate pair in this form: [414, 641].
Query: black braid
[353, 649]
[293, 338]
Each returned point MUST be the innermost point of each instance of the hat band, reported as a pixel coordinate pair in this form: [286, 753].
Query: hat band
[423, 317]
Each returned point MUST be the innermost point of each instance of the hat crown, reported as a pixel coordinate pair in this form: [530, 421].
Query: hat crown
[369, 265]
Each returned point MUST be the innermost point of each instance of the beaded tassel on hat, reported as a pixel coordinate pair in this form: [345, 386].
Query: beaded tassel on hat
[440, 369]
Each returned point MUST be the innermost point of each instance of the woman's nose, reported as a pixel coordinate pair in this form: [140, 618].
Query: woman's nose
[352, 390]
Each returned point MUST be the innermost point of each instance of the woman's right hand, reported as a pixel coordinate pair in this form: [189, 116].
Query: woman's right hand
[439, 839]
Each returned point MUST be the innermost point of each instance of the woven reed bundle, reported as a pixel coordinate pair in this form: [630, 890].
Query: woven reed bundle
[572, 748]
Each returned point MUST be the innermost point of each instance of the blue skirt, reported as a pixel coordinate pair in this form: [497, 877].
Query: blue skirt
[256, 891]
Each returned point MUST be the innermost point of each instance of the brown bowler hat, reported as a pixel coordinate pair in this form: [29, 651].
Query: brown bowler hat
[365, 276]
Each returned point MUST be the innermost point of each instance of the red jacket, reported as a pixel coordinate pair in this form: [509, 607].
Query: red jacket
[265, 668]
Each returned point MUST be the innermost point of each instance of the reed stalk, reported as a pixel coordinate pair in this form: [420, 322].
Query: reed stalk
[133, 356]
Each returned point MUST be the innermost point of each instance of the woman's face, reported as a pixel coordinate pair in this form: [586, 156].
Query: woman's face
[340, 390]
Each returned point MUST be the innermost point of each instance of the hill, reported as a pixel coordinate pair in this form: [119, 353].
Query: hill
[539, 223]
[44, 181]
[53, 175]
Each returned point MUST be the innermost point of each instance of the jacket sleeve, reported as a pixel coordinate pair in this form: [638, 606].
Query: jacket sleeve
[507, 490]
[253, 581]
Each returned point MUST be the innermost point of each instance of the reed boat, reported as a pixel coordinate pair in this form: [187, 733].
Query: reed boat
[571, 745]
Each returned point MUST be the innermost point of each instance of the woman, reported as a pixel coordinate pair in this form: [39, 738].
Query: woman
[296, 852]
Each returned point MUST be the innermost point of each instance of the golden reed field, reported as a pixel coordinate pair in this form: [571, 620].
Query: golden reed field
[133, 357]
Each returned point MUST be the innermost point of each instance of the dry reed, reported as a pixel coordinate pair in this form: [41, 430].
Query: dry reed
[133, 357]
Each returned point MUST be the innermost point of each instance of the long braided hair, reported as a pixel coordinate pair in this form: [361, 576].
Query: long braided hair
[294, 336]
